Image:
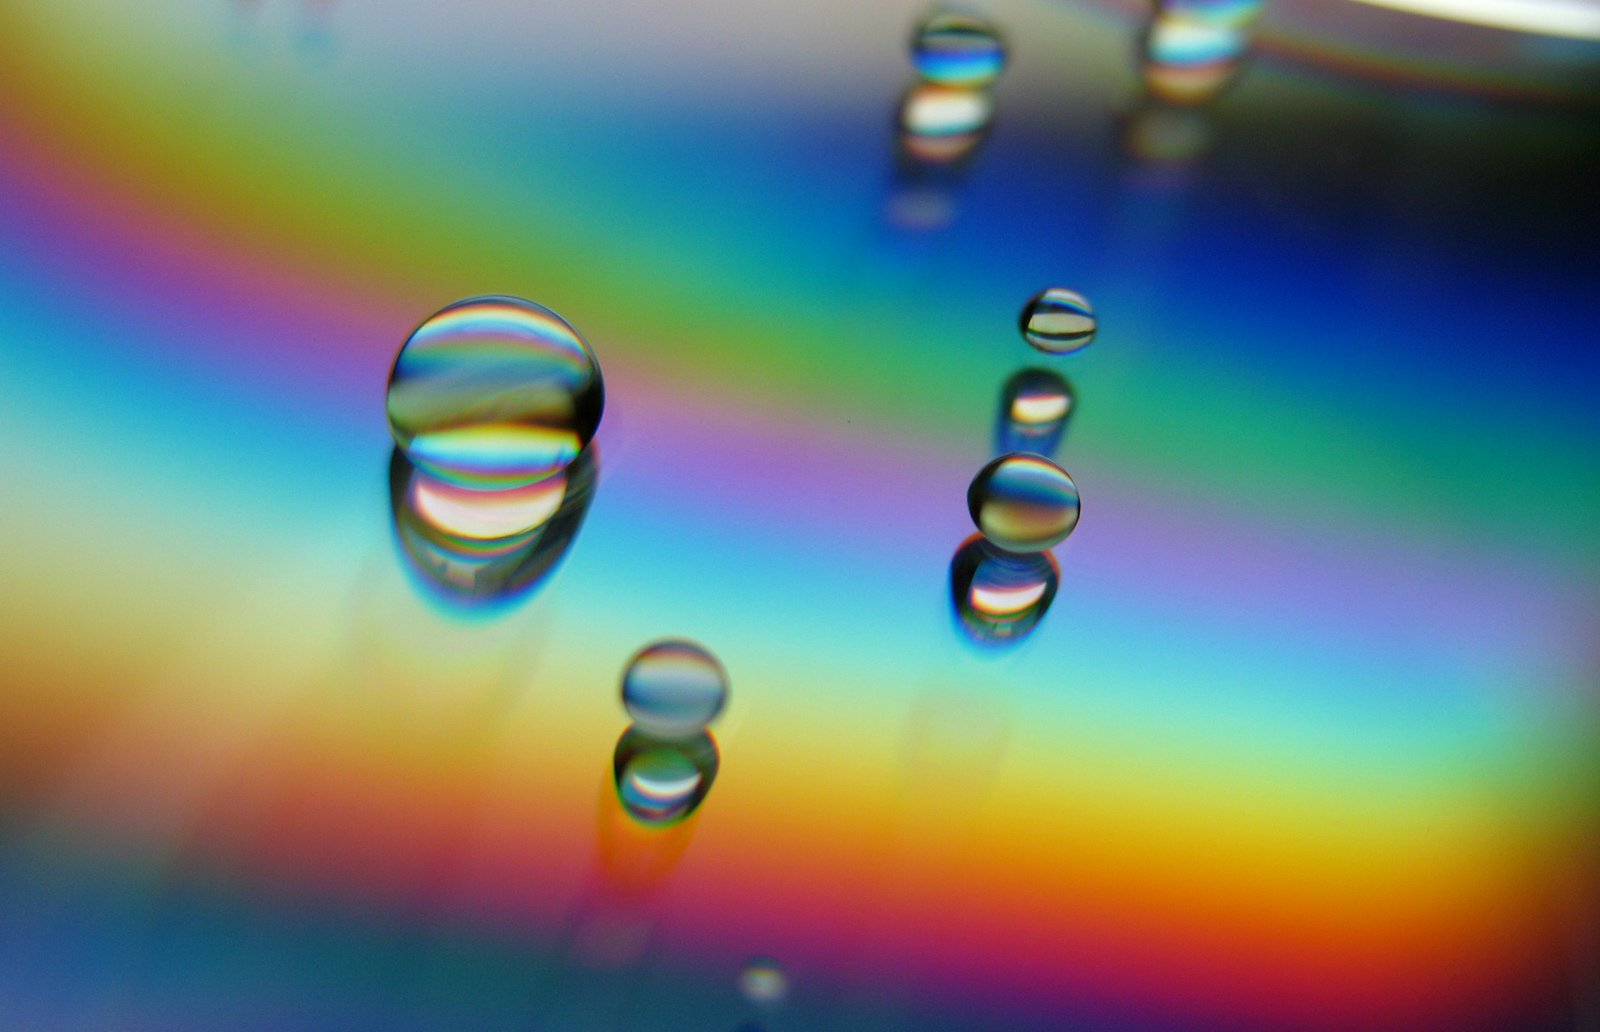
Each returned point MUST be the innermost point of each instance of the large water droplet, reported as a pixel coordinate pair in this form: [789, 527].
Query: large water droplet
[1035, 405]
[494, 392]
[484, 549]
[661, 781]
[955, 49]
[763, 981]
[674, 688]
[1058, 320]
[1023, 502]
[1000, 596]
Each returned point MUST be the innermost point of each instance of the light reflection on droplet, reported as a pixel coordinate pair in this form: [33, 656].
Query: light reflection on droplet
[662, 781]
[494, 392]
[1023, 502]
[1035, 406]
[998, 596]
[763, 981]
[674, 687]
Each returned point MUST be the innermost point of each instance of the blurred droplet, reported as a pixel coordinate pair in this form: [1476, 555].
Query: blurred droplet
[1035, 405]
[955, 49]
[1058, 321]
[1193, 48]
[661, 781]
[763, 982]
[1000, 596]
[494, 392]
[477, 550]
[674, 688]
[939, 124]
[1023, 502]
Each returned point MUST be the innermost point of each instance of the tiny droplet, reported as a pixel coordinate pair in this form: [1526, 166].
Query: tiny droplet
[955, 49]
[1058, 321]
[1023, 502]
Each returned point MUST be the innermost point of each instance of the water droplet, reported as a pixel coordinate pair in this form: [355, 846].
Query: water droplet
[674, 688]
[763, 981]
[1023, 502]
[1000, 596]
[940, 124]
[1035, 405]
[1058, 320]
[661, 781]
[494, 392]
[1194, 48]
[957, 50]
[478, 550]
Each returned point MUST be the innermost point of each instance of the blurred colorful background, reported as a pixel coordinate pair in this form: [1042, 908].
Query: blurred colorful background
[1309, 737]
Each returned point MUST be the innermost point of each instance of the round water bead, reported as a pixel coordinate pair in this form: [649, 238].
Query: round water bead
[763, 982]
[661, 781]
[1000, 596]
[1023, 502]
[957, 50]
[940, 124]
[1035, 405]
[494, 392]
[674, 688]
[1058, 321]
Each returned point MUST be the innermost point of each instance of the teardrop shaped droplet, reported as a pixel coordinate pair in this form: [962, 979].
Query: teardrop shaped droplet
[661, 781]
[674, 688]
[1058, 321]
[1000, 596]
[1035, 405]
[1023, 502]
[955, 49]
[494, 392]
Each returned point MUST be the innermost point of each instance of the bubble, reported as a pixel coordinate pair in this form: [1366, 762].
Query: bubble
[494, 392]
[1000, 596]
[763, 982]
[957, 50]
[482, 550]
[674, 688]
[1058, 321]
[1035, 405]
[1023, 502]
[661, 781]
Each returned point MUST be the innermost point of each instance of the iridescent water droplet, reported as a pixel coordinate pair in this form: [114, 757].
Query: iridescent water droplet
[1000, 596]
[661, 781]
[1194, 48]
[674, 687]
[1058, 321]
[1035, 405]
[494, 392]
[1023, 502]
[955, 49]
[763, 981]
[478, 549]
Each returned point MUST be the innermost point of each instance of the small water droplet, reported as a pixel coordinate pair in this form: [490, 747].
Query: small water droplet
[1035, 405]
[1058, 321]
[1023, 502]
[1000, 596]
[940, 124]
[763, 981]
[479, 550]
[674, 688]
[955, 49]
[494, 392]
[661, 781]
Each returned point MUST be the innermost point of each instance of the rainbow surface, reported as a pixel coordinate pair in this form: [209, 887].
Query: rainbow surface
[1309, 737]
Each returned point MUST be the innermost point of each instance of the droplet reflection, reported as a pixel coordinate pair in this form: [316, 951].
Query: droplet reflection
[494, 392]
[1193, 48]
[1000, 596]
[477, 550]
[1035, 406]
[1023, 502]
[662, 781]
